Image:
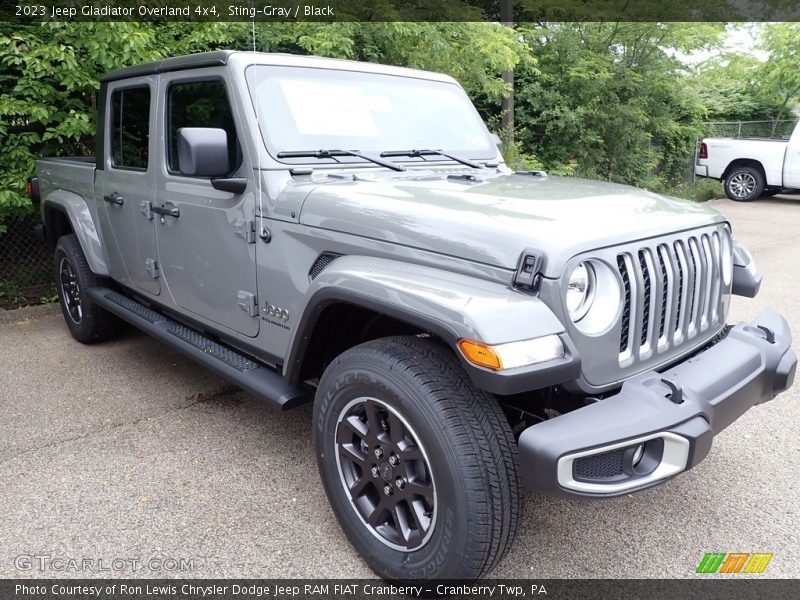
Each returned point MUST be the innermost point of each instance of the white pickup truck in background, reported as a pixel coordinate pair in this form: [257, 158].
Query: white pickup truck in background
[751, 167]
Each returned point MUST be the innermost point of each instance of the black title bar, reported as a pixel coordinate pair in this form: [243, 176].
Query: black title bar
[37, 11]
[733, 588]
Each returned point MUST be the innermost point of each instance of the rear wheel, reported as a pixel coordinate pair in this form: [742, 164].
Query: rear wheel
[744, 184]
[419, 465]
[87, 322]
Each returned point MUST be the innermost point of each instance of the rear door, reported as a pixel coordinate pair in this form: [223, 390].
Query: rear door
[126, 183]
[207, 253]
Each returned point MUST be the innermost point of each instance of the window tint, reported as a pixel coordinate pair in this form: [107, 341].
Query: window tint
[130, 127]
[200, 104]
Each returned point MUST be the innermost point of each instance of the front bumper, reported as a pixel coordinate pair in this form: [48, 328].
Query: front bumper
[595, 451]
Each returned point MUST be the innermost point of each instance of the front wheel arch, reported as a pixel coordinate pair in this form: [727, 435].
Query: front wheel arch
[313, 346]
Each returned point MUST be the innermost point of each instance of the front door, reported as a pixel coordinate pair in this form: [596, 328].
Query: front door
[207, 251]
[126, 183]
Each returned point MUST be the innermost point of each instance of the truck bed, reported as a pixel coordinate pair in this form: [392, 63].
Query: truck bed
[73, 174]
[768, 152]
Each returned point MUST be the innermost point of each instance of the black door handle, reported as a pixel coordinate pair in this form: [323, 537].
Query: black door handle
[114, 198]
[168, 210]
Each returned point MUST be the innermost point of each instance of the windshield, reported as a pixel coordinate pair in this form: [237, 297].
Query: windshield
[305, 109]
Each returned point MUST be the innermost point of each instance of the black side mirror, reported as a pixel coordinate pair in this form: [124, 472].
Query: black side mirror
[203, 151]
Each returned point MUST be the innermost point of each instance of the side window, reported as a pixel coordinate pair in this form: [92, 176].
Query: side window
[130, 127]
[200, 104]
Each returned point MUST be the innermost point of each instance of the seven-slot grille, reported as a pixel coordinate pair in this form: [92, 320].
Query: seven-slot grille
[672, 291]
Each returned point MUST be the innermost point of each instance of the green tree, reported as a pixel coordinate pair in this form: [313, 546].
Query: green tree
[49, 73]
[780, 72]
[730, 86]
[611, 98]
[49, 77]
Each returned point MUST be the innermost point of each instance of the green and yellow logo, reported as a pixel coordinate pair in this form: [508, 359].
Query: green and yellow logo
[734, 562]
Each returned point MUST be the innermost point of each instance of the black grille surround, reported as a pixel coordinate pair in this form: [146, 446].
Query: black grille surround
[626, 311]
[647, 292]
[679, 307]
[664, 284]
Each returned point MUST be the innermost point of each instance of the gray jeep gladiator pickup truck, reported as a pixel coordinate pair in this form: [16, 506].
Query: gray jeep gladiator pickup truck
[348, 234]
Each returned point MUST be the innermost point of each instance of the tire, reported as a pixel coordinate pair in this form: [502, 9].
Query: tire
[455, 455]
[87, 322]
[744, 184]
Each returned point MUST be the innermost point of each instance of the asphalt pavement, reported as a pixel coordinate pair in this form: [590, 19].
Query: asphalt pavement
[125, 459]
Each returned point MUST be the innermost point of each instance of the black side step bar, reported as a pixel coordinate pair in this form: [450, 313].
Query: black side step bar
[257, 379]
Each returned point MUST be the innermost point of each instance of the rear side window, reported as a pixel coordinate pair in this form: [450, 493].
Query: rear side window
[200, 104]
[130, 127]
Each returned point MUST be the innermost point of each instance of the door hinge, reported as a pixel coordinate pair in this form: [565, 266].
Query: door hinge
[151, 266]
[245, 228]
[247, 302]
[146, 208]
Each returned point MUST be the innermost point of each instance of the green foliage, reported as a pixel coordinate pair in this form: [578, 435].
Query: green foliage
[49, 77]
[610, 98]
[780, 73]
[49, 73]
[731, 89]
[11, 294]
[475, 54]
[700, 190]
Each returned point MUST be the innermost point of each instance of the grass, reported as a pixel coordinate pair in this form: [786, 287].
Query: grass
[13, 294]
[700, 190]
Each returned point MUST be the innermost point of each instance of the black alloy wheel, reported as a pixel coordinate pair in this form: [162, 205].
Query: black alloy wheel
[386, 474]
[87, 321]
[70, 290]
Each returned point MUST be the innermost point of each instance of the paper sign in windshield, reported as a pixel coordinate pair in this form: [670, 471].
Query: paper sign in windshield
[329, 109]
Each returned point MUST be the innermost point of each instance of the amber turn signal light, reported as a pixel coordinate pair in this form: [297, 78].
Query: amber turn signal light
[480, 354]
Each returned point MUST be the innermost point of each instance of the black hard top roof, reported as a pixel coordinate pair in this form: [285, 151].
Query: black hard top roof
[176, 63]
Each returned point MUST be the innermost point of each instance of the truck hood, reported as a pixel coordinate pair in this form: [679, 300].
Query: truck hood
[492, 219]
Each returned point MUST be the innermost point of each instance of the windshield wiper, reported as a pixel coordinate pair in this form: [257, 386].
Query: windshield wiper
[334, 153]
[421, 153]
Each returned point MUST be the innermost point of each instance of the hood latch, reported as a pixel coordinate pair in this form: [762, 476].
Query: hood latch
[528, 267]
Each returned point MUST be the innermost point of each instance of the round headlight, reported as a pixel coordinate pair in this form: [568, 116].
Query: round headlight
[593, 297]
[580, 291]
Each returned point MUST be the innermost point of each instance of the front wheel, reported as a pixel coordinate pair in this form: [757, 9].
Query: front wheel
[419, 465]
[744, 184]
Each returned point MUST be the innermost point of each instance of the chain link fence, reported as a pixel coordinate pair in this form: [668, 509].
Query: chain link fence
[26, 266]
[750, 129]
